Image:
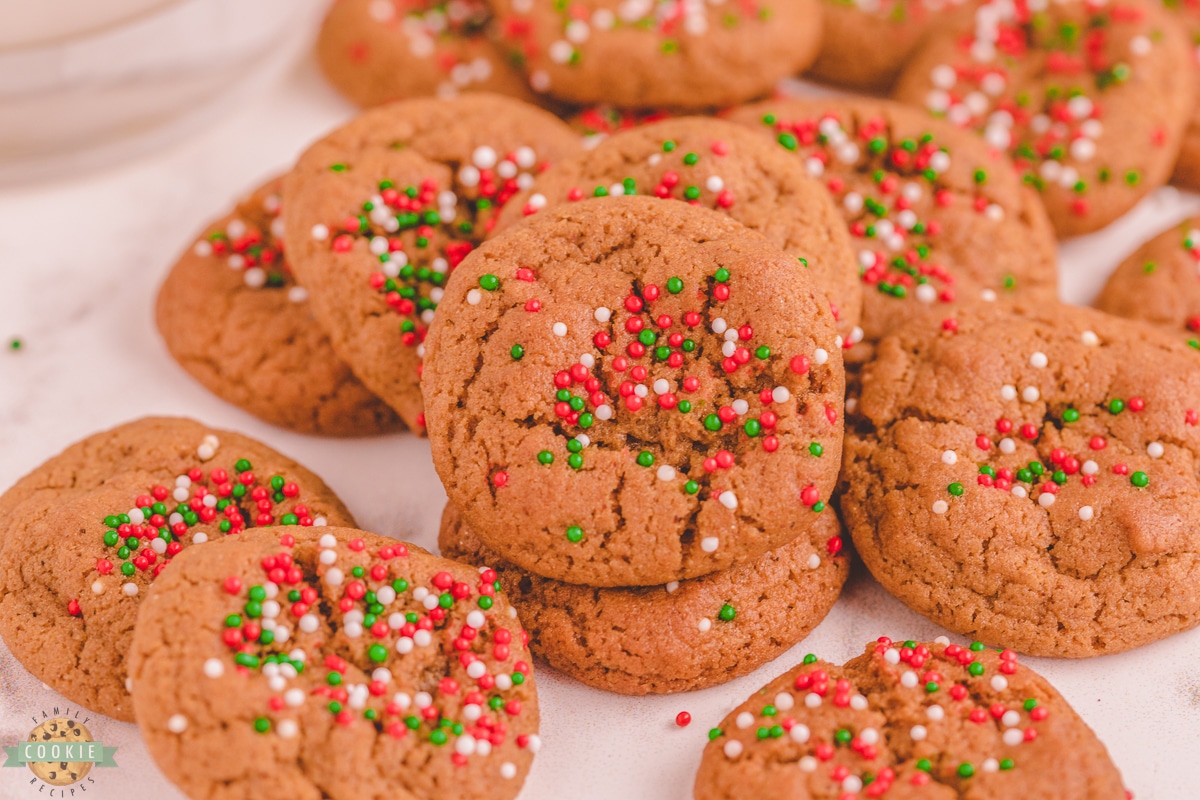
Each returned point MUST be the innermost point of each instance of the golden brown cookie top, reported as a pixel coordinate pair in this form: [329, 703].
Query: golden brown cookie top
[722, 166]
[907, 719]
[383, 209]
[1089, 99]
[936, 218]
[668, 376]
[340, 659]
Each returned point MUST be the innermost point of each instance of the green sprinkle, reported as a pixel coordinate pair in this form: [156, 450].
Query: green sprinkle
[262, 724]
[690, 159]
[517, 352]
[980, 176]
[788, 141]
[843, 736]
[722, 275]
[816, 449]
[545, 457]
[438, 737]
[233, 621]
[712, 422]
[1139, 479]
[489, 282]
[965, 770]
[924, 765]
[674, 285]
[691, 487]
[242, 465]
[955, 489]
[714, 733]
[339, 167]
[685, 406]
[1006, 763]
[574, 533]
[977, 647]
[975, 669]
[377, 653]
[645, 459]
[752, 427]
[15, 344]
[668, 146]
[727, 613]
[810, 658]
[575, 461]
[1070, 415]
[1116, 406]
[763, 352]
[931, 687]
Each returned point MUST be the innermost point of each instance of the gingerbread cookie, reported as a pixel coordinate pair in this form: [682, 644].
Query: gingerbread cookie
[1091, 100]
[233, 316]
[384, 208]
[671, 379]
[1030, 480]
[377, 51]
[1160, 283]
[1186, 14]
[647, 53]
[88, 532]
[721, 166]
[683, 636]
[935, 218]
[864, 43]
[912, 720]
[347, 665]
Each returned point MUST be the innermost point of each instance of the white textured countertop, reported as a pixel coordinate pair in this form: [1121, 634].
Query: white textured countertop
[80, 262]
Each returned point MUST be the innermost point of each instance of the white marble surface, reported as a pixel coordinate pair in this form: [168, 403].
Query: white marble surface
[80, 261]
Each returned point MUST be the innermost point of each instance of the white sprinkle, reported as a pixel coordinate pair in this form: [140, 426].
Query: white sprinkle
[1154, 450]
[940, 507]
[475, 619]
[999, 683]
[205, 452]
[799, 732]
[1019, 491]
[942, 640]
[709, 544]
[740, 407]
[327, 557]
[640, 390]
[869, 736]
[294, 697]
[602, 314]
[320, 232]
[814, 561]
[935, 713]
[662, 386]
[309, 623]
[784, 701]
[560, 329]
[1046, 499]
[1008, 446]
[1013, 737]
[807, 763]
[422, 638]
[1089, 338]
[476, 670]
[858, 702]
[918, 733]
[1008, 392]
[1030, 394]
[1089, 467]
[780, 394]
[733, 748]
[744, 720]
[422, 700]
[177, 723]
[991, 765]
[728, 499]
[588, 360]
[812, 700]
[1086, 513]
[988, 296]
[908, 679]
[671, 587]
[334, 577]
[474, 296]
[719, 325]
[1011, 719]
[130, 589]
[604, 412]
[891, 656]
[852, 784]
[666, 473]
[97, 586]
[213, 668]
[508, 770]
[820, 355]
[949, 457]
[1038, 360]
[704, 625]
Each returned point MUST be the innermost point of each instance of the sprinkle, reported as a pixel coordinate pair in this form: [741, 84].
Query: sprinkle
[560, 329]
[709, 544]
[177, 723]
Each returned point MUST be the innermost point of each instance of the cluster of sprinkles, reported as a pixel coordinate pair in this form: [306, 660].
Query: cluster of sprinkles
[901, 11]
[1050, 127]
[254, 247]
[197, 506]
[692, 176]
[1191, 247]
[374, 595]
[424, 25]
[856, 760]
[1041, 479]
[668, 20]
[598, 122]
[418, 233]
[644, 362]
[890, 193]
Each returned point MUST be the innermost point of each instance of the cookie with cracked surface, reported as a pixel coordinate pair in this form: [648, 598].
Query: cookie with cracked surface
[668, 376]
[864, 43]
[936, 219]
[1029, 480]
[1091, 100]
[383, 209]
[87, 533]
[649, 53]
[1160, 283]
[679, 637]
[348, 665]
[724, 167]
[232, 315]
[912, 720]
[379, 51]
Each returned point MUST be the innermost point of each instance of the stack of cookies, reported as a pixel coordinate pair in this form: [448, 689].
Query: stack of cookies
[657, 354]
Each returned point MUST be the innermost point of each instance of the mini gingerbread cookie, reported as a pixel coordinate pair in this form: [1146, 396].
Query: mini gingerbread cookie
[865, 42]
[911, 720]
[347, 665]
[232, 315]
[1160, 283]
[936, 219]
[721, 166]
[1030, 480]
[1187, 168]
[683, 636]
[377, 51]
[647, 53]
[1090, 99]
[85, 535]
[671, 379]
[384, 208]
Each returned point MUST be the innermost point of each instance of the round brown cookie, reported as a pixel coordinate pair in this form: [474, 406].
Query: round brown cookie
[935, 218]
[381, 210]
[232, 315]
[908, 720]
[84, 539]
[646, 53]
[721, 166]
[1031, 480]
[1091, 100]
[377, 51]
[347, 665]
[864, 43]
[679, 637]
[668, 376]
[1160, 283]
[1187, 167]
